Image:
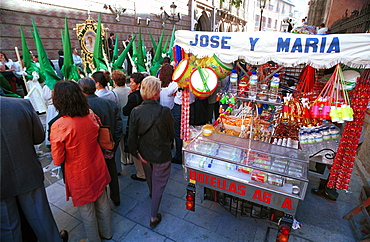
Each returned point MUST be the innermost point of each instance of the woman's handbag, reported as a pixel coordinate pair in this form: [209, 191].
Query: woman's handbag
[105, 138]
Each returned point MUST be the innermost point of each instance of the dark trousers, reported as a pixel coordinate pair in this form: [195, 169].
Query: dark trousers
[216, 109]
[157, 175]
[113, 185]
[176, 113]
[129, 67]
[37, 211]
[332, 192]
[27, 233]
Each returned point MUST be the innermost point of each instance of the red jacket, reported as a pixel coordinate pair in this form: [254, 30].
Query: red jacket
[74, 142]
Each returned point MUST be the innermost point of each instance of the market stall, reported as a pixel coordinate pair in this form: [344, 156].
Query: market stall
[263, 157]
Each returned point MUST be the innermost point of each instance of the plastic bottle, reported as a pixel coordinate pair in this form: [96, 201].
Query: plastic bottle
[303, 140]
[334, 132]
[274, 88]
[217, 165]
[324, 130]
[310, 142]
[222, 165]
[319, 145]
[205, 163]
[233, 82]
[253, 81]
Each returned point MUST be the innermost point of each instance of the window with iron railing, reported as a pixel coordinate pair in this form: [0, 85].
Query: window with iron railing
[269, 23]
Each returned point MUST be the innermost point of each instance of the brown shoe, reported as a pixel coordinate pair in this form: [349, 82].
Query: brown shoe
[134, 177]
[64, 235]
[323, 194]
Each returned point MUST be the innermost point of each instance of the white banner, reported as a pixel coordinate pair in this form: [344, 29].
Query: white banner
[319, 51]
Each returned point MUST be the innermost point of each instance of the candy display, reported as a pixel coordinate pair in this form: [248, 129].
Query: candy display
[245, 163]
[285, 131]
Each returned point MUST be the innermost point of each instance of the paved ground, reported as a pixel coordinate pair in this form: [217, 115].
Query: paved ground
[321, 220]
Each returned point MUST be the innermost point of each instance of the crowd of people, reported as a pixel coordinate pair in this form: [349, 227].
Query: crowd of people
[139, 110]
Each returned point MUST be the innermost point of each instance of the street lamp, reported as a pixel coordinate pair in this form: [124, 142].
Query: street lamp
[173, 17]
[116, 9]
[173, 9]
[262, 6]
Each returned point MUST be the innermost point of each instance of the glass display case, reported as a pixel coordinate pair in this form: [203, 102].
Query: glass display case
[268, 174]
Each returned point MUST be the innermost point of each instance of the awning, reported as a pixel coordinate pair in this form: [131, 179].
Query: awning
[319, 51]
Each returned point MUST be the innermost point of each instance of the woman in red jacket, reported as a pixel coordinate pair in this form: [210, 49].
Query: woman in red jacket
[74, 144]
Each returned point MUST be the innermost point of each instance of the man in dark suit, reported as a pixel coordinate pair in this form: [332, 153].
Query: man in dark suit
[111, 43]
[129, 65]
[22, 177]
[61, 59]
[108, 112]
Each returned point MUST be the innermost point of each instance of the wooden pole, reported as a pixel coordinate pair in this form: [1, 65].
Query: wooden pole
[20, 64]
[134, 69]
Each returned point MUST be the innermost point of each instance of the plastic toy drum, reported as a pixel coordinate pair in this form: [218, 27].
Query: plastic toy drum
[203, 87]
[222, 69]
[182, 73]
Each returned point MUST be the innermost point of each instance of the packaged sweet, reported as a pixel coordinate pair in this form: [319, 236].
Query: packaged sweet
[245, 169]
[259, 176]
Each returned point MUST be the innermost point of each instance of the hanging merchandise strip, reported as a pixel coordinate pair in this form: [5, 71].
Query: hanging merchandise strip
[185, 114]
[341, 171]
[306, 81]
